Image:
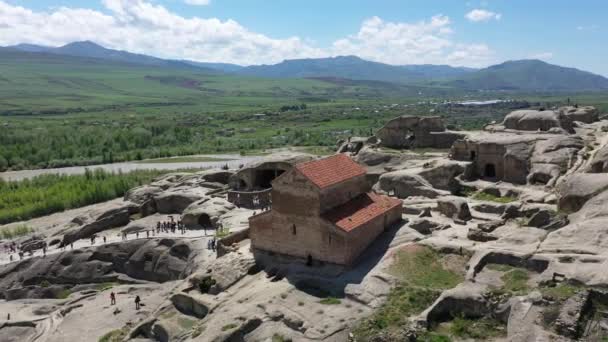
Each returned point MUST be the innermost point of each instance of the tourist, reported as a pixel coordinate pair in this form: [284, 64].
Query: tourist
[137, 301]
[11, 257]
[137, 235]
[104, 239]
[72, 245]
[112, 298]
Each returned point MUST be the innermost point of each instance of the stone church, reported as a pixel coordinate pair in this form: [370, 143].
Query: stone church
[323, 210]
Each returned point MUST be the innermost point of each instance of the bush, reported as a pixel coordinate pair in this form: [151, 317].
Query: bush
[330, 301]
[47, 194]
[205, 285]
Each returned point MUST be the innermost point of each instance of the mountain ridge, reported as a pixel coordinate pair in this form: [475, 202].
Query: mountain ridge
[516, 75]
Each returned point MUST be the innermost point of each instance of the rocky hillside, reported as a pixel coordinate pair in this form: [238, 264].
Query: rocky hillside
[515, 252]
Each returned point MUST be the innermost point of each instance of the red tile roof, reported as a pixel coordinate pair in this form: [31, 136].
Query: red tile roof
[360, 210]
[331, 170]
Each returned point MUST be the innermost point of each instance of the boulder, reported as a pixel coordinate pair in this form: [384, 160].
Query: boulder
[578, 189]
[176, 201]
[372, 157]
[442, 174]
[426, 227]
[146, 259]
[112, 218]
[216, 176]
[142, 194]
[465, 300]
[599, 162]
[489, 208]
[404, 184]
[570, 320]
[414, 131]
[454, 207]
[541, 218]
[586, 114]
[211, 208]
[534, 120]
[477, 234]
[512, 211]
[426, 212]
[488, 227]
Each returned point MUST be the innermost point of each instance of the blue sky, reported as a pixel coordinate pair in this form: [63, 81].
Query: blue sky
[470, 33]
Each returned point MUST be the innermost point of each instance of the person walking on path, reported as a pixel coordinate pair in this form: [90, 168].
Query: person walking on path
[112, 298]
[137, 301]
[104, 239]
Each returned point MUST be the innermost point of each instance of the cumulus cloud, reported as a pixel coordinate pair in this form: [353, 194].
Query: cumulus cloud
[410, 43]
[144, 27]
[198, 2]
[588, 27]
[479, 15]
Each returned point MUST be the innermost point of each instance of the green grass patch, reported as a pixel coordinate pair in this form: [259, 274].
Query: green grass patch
[433, 337]
[330, 301]
[422, 267]
[63, 294]
[482, 196]
[105, 286]
[280, 338]
[13, 232]
[515, 279]
[186, 323]
[117, 335]
[478, 329]
[422, 279]
[318, 150]
[561, 291]
[222, 232]
[229, 327]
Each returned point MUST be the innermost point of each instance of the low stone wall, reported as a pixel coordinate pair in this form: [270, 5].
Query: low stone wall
[223, 244]
[251, 199]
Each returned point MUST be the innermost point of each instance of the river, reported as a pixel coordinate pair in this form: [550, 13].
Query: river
[234, 162]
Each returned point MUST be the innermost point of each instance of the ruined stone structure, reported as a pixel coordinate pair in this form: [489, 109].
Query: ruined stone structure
[323, 211]
[518, 158]
[259, 176]
[415, 132]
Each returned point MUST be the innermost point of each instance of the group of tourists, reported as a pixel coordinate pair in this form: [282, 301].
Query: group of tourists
[161, 226]
[170, 226]
[113, 300]
[211, 244]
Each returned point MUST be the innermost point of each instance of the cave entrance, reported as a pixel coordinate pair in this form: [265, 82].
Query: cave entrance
[264, 178]
[205, 221]
[490, 171]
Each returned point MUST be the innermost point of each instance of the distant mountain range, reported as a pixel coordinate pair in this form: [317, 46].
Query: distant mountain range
[522, 75]
[89, 49]
[355, 68]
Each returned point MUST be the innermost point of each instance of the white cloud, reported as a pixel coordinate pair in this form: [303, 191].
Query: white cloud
[479, 15]
[144, 27]
[542, 55]
[410, 43]
[588, 27]
[198, 2]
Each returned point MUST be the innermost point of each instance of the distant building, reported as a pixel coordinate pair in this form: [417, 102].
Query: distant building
[322, 210]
